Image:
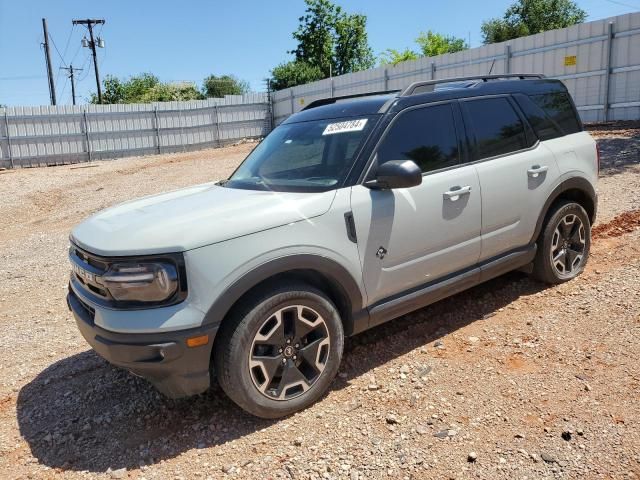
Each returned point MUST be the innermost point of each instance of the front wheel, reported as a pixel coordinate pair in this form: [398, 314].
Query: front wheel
[279, 354]
[563, 246]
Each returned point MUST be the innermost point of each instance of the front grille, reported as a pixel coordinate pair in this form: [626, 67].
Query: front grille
[90, 259]
[87, 270]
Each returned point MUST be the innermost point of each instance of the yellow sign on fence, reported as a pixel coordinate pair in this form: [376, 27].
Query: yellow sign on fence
[570, 61]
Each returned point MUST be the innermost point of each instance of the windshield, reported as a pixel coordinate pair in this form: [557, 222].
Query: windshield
[306, 156]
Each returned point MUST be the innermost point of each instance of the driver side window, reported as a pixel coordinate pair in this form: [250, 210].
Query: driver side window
[425, 135]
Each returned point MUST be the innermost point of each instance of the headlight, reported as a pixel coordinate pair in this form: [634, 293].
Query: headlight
[148, 281]
[141, 282]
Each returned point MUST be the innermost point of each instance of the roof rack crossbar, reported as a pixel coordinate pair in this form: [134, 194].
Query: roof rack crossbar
[410, 90]
[330, 100]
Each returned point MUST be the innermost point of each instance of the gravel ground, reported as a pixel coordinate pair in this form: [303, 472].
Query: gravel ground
[511, 379]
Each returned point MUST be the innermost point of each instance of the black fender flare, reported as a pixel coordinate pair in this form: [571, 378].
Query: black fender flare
[573, 183]
[340, 278]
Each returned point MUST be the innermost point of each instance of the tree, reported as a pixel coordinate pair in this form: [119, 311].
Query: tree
[112, 91]
[528, 17]
[315, 35]
[352, 51]
[393, 57]
[330, 41]
[219, 86]
[144, 88]
[497, 30]
[295, 72]
[171, 92]
[432, 44]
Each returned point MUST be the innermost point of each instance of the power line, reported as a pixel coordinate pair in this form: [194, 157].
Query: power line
[77, 50]
[623, 4]
[22, 77]
[76, 54]
[61, 58]
[84, 64]
[56, 48]
[64, 53]
[66, 47]
[64, 86]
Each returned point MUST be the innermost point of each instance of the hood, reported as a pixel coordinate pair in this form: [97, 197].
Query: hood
[193, 217]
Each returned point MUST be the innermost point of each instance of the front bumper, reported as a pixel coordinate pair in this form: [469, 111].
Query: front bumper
[162, 358]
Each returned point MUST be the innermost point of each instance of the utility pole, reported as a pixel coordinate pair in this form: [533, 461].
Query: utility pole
[92, 44]
[71, 71]
[47, 55]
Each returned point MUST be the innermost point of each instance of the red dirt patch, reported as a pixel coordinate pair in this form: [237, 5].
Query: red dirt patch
[624, 223]
[517, 363]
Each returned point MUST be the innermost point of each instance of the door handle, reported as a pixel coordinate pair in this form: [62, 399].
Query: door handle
[456, 192]
[536, 170]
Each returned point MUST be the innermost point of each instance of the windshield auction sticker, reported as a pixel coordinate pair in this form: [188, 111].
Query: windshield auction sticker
[343, 127]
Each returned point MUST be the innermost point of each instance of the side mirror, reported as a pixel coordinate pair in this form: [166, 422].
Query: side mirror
[396, 174]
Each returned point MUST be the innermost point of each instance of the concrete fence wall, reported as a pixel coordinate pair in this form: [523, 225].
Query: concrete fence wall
[38, 136]
[598, 61]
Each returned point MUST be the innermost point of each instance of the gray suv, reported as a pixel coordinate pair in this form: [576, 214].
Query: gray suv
[352, 212]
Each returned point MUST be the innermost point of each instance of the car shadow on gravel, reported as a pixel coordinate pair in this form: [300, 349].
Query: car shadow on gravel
[618, 154]
[83, 414]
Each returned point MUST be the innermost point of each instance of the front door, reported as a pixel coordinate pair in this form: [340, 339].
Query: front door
[413, 236]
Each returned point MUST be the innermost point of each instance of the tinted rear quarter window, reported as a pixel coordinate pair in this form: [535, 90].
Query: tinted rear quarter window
[497, 127]
[425, 135]
[545, 128]
[558, 108]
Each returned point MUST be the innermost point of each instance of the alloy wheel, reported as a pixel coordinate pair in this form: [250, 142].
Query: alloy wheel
[289, 352]
[568, 246]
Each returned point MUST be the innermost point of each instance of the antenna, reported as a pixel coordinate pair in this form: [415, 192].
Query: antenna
[492, 64]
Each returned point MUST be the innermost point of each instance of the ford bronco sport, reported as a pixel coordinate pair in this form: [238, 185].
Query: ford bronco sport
[352, 212]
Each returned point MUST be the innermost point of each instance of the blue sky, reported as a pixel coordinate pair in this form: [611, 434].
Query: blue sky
[190, 39]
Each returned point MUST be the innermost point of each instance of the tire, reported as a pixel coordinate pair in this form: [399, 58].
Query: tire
[564, 244]
[256, 365]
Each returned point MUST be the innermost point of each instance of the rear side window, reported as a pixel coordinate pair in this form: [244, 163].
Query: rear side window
[545, 128]
[497, 127]
[558, 108]
[425, 135]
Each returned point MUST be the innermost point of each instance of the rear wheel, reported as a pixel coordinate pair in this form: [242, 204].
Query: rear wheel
[280, 353]
[564, 244]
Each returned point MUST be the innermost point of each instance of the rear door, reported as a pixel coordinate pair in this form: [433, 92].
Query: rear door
[517, 173]
[413, 236]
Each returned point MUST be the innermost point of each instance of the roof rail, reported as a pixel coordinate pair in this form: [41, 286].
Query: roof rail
[330, 100]
[429, 86]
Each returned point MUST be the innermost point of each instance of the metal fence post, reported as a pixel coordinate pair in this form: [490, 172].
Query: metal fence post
[293, 110]
[331, 87]
[86, 133]
[218, 139]
[183, 143]
[607, 75]
[6, 126]
[386, 79]
[157, 125]
[507, 59]
[433, 71]
[270, 107]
